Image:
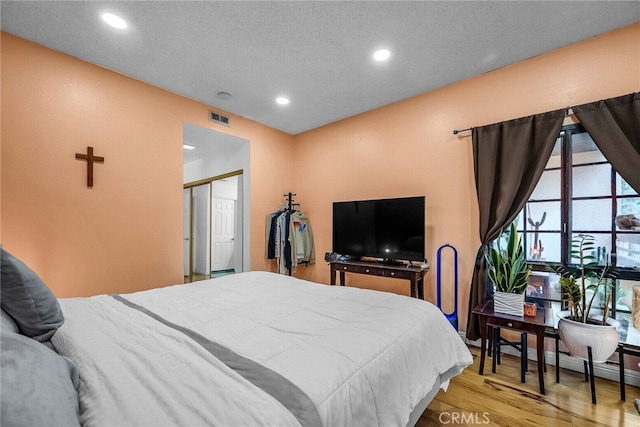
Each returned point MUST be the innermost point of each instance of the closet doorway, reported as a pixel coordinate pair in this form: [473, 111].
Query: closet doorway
[213, 227]
[216, 165]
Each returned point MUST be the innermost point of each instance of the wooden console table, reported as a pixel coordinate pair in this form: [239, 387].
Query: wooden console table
[415, 275]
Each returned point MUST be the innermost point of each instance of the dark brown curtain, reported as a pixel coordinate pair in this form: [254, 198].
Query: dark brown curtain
[509, 158]
[614, 125]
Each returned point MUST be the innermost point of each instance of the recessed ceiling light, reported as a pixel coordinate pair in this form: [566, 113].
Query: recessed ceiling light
[188, 147]
[225, 96]
[381, 55]
[114, 20]
[282, 100]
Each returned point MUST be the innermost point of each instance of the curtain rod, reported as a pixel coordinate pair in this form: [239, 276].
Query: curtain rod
[567, 112]
[455, 131]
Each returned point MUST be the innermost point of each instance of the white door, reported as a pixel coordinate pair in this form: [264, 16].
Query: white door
[186, 220]
[223, 243]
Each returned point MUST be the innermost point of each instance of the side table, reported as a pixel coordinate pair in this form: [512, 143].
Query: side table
[528, 324]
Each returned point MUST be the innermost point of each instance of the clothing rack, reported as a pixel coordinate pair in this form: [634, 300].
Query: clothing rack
[290, 203]
[289, 236]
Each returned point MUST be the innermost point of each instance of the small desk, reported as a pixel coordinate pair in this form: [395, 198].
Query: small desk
[529, 325]
[415, 275]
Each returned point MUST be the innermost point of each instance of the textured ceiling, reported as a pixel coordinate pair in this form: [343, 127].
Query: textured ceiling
[316, 53]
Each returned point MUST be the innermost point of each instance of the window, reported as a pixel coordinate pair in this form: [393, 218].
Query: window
[580, 192]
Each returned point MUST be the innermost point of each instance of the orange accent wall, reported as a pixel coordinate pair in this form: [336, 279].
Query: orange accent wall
[125, 233]
[408, 148]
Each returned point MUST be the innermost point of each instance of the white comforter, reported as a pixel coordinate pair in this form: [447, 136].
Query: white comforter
[364, 358]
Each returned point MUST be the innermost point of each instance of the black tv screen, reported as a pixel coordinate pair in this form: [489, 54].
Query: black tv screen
[390, 229]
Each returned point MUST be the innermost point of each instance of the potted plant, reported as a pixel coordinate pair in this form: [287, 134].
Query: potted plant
[509, 272]
[578, 327]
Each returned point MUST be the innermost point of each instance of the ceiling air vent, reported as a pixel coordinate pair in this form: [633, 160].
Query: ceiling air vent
[219, 118]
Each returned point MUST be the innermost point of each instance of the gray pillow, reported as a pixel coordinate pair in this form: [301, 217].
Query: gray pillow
[39, 387]
[7, 323]
[25, 297]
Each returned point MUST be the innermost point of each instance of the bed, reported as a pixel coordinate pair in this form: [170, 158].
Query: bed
[248, 349]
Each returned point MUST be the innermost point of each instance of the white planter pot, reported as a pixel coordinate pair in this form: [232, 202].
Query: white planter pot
[508, 303]
[577, 336]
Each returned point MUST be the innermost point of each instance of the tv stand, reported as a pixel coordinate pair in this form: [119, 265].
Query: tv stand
[389, 261]
[415, 275]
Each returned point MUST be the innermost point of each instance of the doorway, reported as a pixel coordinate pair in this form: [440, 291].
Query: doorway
[213, 227]
[216, 168]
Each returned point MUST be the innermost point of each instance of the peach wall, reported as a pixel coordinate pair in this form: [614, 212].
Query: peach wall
[408, 148]
[124, 234]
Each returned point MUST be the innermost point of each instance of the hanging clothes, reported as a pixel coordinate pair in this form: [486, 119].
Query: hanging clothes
[272, 217]
[289, 239]
[303, 238]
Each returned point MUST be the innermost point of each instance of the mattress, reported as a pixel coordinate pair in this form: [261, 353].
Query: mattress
[257, 348]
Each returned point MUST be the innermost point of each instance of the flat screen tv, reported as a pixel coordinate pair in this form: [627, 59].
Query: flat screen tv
[388, 229]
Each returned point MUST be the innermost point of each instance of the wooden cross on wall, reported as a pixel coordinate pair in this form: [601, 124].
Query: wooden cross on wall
[90, 159]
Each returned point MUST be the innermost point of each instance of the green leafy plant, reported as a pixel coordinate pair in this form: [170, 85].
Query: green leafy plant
[616, 295]
[586, 276]
[508, 268]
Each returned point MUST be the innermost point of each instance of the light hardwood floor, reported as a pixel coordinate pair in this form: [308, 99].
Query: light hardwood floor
[500, 399]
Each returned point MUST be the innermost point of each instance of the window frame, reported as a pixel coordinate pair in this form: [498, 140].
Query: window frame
[566, 207]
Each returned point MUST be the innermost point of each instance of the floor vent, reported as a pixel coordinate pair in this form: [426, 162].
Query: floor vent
[219, 118]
